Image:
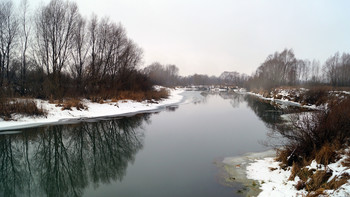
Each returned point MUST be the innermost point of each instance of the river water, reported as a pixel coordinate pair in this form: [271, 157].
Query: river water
[172, 152]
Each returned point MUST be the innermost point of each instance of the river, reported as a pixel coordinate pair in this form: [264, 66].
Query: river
[171, 152]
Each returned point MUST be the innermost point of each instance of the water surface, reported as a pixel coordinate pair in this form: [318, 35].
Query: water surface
[169, 153]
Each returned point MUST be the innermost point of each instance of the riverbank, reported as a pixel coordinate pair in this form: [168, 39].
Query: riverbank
[263, 176]
[314, 158]
[276, 181]
[314, 98]
[55, 114]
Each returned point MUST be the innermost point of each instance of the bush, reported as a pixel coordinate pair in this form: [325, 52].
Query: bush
[24, 107]
[316, 135]
[316, 95]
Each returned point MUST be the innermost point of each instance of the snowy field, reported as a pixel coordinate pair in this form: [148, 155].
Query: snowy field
[95, 110]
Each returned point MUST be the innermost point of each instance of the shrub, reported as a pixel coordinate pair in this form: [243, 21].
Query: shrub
[316, 135]
[24, 107]
[316, 95]
[68, 104]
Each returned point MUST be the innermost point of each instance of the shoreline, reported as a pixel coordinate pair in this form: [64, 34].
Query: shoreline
[235, 170]
[95, 111]
[263, 176]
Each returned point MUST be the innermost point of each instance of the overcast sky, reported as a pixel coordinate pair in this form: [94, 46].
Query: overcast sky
[212, 36]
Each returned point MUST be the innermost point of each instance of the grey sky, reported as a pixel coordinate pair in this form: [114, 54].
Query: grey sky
[209, 37]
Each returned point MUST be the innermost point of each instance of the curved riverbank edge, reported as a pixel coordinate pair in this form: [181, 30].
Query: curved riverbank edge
[95, 111]
[235, 170]
[261, 175]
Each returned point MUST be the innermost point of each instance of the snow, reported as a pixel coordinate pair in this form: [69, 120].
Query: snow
[274, 181]
[95, 110]
[284, 101]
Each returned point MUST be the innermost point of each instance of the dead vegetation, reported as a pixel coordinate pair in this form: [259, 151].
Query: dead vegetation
[313, 95]
[317, 136]
[9, 107]
[69, 103]
[150, 95]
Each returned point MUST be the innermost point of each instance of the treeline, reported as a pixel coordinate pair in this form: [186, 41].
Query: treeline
[56, 52]
[280, 69]
[168, 75]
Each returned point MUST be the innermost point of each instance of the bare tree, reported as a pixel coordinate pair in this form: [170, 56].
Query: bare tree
[55, 24]
[80, 49]
[24, 38]
[92, 30]
[330, 69]
[8, 33]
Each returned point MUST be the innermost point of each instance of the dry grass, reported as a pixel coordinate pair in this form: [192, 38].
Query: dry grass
[319, 137]
[316, 193]
[316, 95]
[282, 156]
[24, 107]
[300, 185]
[151, 96]
[327, 153]
[68, 104]
[336, 182]
[346, 161]
[318, 180]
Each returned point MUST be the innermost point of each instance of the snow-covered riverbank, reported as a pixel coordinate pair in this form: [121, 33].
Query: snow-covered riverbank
[56, 115]
[274, 181]
[263, 176]
[299, 97]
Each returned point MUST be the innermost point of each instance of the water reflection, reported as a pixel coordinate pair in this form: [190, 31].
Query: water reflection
[235, 99]
[62, 160]
[269, 113]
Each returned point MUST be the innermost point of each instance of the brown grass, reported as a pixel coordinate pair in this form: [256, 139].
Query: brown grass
[300, 185]
[318, 180]
[316, 193]
[327, 153]
[68, 104]
[24, 107]
[151, 96]
[316, 95]
[346, 162]
[336, 182]
[321, 137]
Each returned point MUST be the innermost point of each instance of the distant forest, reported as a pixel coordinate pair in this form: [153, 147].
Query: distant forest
[54, 52]
[279, 69]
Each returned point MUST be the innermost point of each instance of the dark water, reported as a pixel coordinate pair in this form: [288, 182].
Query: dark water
[169, 153]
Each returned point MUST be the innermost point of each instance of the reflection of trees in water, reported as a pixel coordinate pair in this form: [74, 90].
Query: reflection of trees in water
[270, 114]
[63, 160]
[267, 112]
[235, 99]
